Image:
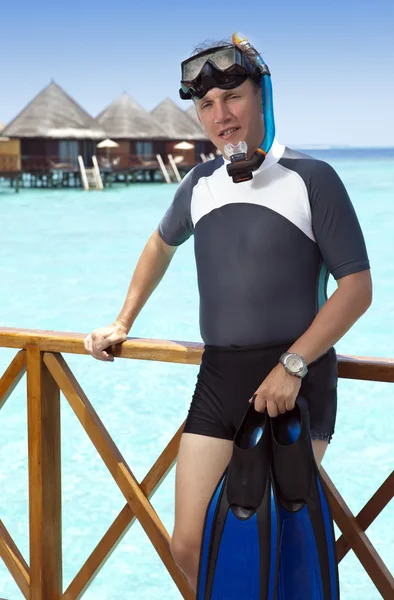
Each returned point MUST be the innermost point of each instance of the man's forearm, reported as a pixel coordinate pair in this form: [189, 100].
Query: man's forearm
[150, 269]
[350, 300]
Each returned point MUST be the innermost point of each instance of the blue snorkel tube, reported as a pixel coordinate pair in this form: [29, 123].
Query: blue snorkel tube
[241, 168]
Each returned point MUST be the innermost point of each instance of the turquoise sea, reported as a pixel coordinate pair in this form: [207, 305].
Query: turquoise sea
[66, 258]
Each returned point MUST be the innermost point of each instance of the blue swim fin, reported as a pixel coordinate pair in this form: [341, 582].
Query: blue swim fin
[307, 565]
[239, 552]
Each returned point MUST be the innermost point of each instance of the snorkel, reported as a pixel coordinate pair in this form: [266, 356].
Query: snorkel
[241, 168]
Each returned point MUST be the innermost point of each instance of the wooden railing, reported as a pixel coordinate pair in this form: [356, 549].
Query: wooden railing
[119, 161]
[40, 357]
[49, 162]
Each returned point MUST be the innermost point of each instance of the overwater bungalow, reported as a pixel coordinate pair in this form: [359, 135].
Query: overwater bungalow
[55, 142]
[53, 131]
[179, 126]
[138, 135]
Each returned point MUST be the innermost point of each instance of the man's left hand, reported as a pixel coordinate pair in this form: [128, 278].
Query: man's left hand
[278, 392]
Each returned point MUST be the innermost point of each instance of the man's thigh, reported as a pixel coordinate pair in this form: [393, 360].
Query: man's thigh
[201, 462]
[319, 449]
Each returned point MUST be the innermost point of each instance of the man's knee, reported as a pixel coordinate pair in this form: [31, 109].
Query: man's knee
[186, 552]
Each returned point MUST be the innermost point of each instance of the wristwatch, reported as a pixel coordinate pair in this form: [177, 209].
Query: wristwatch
[294, 364]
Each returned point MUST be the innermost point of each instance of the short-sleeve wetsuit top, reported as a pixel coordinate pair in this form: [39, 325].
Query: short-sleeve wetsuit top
[264, 248]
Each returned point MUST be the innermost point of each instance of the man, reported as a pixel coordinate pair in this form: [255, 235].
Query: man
[264, 249]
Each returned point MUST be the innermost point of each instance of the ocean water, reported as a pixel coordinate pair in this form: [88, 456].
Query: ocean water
[66, 259]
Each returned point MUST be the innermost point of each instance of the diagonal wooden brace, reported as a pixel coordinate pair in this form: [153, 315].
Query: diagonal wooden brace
[123, 522]
[358, 540]
[12, 376]
[117, 466]
[14, 561]
[368, 514]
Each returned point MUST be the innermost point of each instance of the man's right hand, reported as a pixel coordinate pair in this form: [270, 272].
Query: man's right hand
[100, 339]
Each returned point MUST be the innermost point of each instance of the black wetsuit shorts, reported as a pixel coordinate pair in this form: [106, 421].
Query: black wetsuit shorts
[229, 376]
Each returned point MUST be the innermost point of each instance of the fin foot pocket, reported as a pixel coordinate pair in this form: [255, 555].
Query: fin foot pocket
[239, 557]
[307, 565]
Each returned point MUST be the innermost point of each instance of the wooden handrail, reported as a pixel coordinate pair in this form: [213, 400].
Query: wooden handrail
[350, 367]
[47, 375]
[72, 343]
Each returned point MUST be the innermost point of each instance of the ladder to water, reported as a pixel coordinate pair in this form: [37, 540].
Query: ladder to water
[174, 168]
[163, 169]
[91, 178]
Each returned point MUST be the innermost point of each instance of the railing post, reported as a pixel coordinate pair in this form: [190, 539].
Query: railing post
[43, 400]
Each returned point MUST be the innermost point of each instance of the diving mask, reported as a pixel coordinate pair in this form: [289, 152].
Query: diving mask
[225, 67]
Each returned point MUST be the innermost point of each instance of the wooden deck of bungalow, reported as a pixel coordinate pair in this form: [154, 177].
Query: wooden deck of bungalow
[49, 172]
[41, 355]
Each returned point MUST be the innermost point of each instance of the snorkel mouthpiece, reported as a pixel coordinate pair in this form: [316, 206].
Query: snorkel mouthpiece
[238, 156]
[241, 168]
[236, 152]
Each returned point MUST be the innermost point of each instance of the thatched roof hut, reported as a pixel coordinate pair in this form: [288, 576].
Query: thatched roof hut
[53, 114]
[126, 119]
[177, 124]
[192, 113]
[1, 127]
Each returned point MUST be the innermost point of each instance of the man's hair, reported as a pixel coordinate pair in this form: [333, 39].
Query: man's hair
[208, 44]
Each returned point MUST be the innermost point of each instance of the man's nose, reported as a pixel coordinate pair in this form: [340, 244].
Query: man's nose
[221, 113]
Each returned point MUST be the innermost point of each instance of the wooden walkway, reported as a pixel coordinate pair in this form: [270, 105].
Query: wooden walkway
[40, 355]
[35, 176]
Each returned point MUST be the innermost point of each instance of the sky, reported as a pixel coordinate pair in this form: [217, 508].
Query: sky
[332, 62]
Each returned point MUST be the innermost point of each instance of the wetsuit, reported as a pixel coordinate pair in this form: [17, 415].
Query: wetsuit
[264, 250]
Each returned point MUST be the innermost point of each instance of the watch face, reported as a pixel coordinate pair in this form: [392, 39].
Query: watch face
[294, 364]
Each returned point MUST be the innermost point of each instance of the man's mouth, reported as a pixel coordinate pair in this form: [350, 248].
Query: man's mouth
[226, 133]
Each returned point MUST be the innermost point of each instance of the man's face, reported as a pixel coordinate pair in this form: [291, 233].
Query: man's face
[232, 116]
